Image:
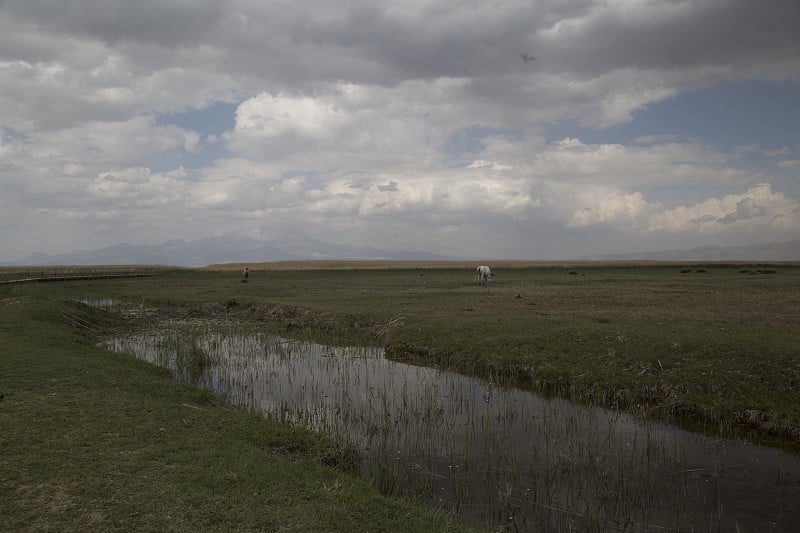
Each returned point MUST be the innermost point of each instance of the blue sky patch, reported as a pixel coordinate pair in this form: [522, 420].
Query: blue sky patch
[215, 119]
[470, 140]
[723, 116]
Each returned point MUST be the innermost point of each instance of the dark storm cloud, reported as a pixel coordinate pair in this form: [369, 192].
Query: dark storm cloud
[176, 23]
[675, 34]
[299, 45]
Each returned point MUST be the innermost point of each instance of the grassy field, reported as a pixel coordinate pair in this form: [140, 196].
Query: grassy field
[717, 343]
[713, 344]
[98, 441]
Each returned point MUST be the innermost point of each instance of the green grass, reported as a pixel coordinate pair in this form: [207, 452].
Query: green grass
[93, 440]
[718, 344]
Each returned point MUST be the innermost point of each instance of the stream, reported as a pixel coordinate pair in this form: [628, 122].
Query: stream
[500, 457]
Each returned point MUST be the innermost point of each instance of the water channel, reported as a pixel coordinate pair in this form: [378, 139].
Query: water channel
[498, 456]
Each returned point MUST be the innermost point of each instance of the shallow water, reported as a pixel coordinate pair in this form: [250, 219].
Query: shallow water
[100, 302]
[499, 456]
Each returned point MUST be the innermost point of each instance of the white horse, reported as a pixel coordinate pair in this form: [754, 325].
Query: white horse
[483, 274]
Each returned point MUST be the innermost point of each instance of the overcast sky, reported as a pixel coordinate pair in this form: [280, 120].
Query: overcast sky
[499, 129]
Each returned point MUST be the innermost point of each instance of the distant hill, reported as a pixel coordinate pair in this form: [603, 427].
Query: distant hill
[773, 251]
[228, 249]
[214, 250]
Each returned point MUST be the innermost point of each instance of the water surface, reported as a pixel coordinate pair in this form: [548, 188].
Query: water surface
[499, 456]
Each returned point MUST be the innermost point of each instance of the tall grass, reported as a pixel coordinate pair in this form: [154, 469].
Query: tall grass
[93, 440]
[498, 456]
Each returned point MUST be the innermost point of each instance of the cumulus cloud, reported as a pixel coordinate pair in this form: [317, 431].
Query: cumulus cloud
[572, 160]
[497, 167]
[271, 117]
[605, 206]
[756, 210]
[346, 114]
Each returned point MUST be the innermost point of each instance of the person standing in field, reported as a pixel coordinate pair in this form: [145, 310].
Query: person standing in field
[246, 273]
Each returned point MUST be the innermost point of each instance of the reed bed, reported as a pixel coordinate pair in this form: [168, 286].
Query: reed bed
[498, 456]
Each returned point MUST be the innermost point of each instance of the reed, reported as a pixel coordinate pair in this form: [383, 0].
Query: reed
[498, 456]
[633, 339]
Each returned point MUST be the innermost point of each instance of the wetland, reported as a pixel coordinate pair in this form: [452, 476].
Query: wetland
[569, 397]
[499, 457]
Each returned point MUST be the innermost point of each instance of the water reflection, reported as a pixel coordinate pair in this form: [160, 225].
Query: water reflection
[101, 302]
[499, 456]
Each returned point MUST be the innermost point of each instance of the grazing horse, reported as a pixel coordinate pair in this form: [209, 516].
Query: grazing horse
[483, 274]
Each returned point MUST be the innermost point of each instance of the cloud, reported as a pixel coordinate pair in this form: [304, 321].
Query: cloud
[60, 166]
[271, 117]
[357, 120]
[605, 206]
[758, 209]
[496, 167]
[633, 165]
[125, 58]
[389, 187]
[766, 152]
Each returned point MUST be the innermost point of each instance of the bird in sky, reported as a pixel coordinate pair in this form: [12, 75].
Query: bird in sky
[527, 58]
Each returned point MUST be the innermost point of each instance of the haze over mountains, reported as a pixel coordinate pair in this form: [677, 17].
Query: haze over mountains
[214, 250]
[228, 249]
[773, 251]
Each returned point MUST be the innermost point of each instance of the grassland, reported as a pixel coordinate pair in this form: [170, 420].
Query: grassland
[95, 441]
[716, 345]
[713, 343]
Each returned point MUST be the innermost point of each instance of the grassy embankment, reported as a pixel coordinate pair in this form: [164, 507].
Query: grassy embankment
[98, 441]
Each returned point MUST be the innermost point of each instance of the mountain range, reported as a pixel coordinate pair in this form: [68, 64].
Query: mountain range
[771, 251]
[227, 249]
[215, 250]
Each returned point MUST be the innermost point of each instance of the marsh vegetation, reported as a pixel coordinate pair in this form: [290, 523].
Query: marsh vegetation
[445, 402]
[497, 456]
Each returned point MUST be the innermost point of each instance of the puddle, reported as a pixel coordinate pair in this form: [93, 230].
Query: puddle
[101, 303]
[500, 457]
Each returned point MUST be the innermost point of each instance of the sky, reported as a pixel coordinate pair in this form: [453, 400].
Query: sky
[539, 129]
